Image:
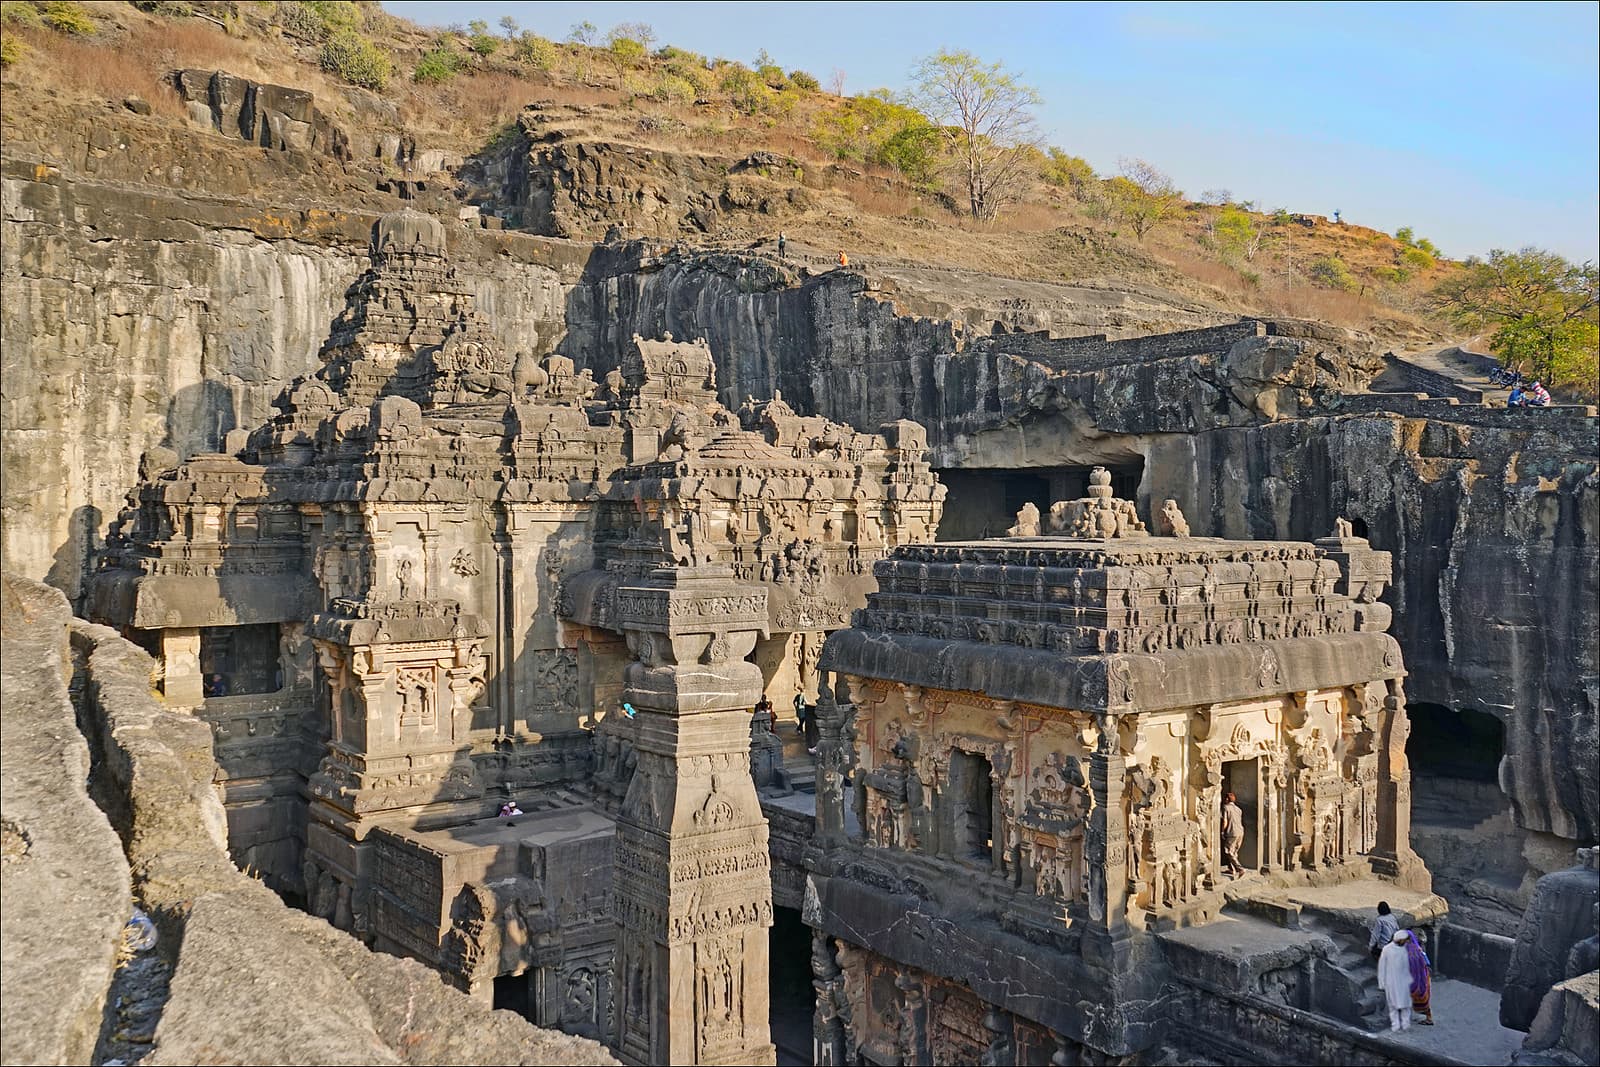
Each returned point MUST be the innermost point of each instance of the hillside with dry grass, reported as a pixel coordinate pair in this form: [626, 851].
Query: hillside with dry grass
[825, 170]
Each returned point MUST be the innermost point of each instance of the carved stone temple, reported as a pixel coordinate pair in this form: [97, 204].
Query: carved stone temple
[1021, 777]
[478, 634]
[408, 598]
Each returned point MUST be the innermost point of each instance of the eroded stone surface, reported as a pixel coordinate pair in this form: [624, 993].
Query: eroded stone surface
[65, 891]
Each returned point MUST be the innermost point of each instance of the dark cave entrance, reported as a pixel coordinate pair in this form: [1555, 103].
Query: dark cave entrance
[1455, 764]
[984, 501]
[789, 981]
[1446, 743]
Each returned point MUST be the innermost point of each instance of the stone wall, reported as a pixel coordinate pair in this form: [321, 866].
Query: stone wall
[314, 994]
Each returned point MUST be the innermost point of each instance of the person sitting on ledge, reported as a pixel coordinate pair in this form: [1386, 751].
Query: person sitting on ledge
[509, 811]
[216, 686]
[1538, 395]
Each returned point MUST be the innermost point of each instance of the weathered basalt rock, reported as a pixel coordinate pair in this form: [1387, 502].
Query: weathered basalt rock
[1564, 914]
[66, 888]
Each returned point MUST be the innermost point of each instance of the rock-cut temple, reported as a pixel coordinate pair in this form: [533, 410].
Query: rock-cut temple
[480, 637]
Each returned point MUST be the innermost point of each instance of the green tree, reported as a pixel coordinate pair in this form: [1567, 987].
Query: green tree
[1067, 172]
[1406, 236]
[1236, 235]
[1542, 308]
[584, 32]
[1141, 196]
[986, 116]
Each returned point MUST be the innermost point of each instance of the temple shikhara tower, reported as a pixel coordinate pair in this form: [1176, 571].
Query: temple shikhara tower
[479, 634]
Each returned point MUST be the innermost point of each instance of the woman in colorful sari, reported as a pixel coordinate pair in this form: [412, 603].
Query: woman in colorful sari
[1421, 981]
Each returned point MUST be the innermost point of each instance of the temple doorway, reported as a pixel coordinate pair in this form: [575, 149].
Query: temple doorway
[1243, 779]
[789, 980]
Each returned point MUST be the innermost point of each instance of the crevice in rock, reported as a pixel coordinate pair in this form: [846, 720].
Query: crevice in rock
[141, 983]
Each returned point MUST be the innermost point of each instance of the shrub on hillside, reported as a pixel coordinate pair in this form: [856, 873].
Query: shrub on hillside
[64, 16]
[1067, 171]
[317, 20]
[480, 40]
[438, 65]
[20, 13]
[351, 57]
[537, 52]
[746, 91]
[803, 81]
[1330, 272]
[671, 89]
[1417, 259]
[11, 51]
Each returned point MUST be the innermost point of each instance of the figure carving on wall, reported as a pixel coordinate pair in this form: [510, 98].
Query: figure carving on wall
[1171, 522]
[403, 578]
[1027, 524]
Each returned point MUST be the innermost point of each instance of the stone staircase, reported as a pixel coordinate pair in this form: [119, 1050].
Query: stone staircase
[1346, 985]
[797, 761]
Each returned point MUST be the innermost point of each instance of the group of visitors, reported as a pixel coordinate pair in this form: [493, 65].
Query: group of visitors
[783, 251]
[1404, 971]
[805, 714]
[1534, 396]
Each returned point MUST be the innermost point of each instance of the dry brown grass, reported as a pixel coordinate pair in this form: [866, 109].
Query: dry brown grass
[104, 72]
[876, 198]
[1328, 305]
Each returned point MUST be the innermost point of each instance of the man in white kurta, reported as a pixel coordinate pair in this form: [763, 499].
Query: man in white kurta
[1394, 979]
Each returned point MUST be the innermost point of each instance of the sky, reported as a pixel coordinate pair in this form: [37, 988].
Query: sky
[1478, 125]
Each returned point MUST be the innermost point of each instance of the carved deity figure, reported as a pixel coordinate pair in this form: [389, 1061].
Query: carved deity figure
[1027, 522]
[1171, 523]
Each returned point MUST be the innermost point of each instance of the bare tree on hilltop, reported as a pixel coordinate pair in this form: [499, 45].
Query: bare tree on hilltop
[987, 118]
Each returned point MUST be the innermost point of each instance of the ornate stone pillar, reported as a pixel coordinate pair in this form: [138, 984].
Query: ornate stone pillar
[1106, 938]
[693, 884]
[833, 762]
[1393, 856]
[827, 1027]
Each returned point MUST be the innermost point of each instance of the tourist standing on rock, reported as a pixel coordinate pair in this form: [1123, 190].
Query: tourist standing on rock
[783, 243]
[1232, 834]
[844, 260]
[1383, 929]
[1421, 971]
[1394, 980]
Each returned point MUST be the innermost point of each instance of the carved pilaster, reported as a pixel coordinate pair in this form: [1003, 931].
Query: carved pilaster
[693, 883]
[1393, 856]
[1106, 848]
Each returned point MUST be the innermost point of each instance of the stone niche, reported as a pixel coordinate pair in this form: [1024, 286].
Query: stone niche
[1040, 735]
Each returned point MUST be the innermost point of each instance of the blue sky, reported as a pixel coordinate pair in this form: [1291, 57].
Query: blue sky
[1476, 124]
